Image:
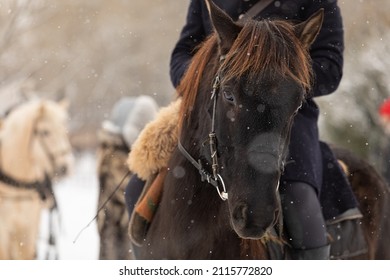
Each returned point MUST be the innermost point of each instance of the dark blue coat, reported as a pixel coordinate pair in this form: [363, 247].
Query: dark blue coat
[304, 160]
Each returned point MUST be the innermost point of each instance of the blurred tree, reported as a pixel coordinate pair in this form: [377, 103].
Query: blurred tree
[91, 51]
[96, 51]
[350, 116]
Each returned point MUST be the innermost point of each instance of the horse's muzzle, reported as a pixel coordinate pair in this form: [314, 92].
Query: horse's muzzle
[248, 224]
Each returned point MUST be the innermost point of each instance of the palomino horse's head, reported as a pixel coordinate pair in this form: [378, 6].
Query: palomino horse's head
[260, 72]
[34, 141]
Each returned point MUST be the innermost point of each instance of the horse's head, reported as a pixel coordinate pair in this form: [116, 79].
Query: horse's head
[51, 141]
[35, 141]
[263, 71]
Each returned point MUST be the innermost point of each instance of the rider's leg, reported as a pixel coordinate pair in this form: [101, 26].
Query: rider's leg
[132, 192]
[304, 221]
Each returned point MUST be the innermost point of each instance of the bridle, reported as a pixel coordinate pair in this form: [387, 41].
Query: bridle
[50, 155]
[214, 179]
[43, 187]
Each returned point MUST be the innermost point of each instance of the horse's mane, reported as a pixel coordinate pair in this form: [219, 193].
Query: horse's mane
[265, 44]
[19, 123]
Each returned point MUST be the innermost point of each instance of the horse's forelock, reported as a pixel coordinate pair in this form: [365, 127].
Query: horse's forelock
[268, 47]
[54, 110]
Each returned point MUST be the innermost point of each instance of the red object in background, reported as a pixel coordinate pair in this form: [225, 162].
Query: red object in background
[384, 109]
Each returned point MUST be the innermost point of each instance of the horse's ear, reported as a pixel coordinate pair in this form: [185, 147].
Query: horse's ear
[42, 109]
[224, 26]
[308, 30]
[64, 103]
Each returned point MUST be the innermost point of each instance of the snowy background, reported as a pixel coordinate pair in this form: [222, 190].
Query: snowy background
[77, 198]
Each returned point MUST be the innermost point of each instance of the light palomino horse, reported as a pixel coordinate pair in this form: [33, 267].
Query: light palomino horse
[34, 148]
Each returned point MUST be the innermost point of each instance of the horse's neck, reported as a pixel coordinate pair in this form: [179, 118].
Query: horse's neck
[16, 158]
[193, 193]
[194, 218]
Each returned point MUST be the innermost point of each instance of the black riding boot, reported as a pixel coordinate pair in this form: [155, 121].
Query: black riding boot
[321, 253]
[304, 222]
[133, 192]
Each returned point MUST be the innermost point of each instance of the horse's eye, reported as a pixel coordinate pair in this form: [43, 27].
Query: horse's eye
[261, 108]
[228, 96]
[44, 133]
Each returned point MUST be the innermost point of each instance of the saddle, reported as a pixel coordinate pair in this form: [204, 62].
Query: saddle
[150, 155]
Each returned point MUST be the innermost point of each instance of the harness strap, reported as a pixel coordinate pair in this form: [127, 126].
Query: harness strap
[39, 186]
[205, 176]
[255, 10]
[212, 135]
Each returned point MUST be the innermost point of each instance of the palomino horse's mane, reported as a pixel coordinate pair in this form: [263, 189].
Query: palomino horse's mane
[17, 131]
[264, 44]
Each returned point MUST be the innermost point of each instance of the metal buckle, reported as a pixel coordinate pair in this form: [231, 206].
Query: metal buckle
[222, 194]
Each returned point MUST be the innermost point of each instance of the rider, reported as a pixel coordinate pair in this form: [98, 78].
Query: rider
[302, 178]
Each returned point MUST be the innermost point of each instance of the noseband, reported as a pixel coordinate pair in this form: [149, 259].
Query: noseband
[214, 179]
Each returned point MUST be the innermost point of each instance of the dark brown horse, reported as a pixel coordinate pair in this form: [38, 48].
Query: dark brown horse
[240, 94]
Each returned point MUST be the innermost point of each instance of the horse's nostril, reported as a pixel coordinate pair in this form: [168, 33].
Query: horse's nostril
[61, 171]
[240, 214]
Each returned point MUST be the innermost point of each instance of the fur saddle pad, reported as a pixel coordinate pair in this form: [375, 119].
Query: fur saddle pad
[149, 158]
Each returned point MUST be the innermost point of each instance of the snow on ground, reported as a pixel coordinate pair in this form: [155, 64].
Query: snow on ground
[77, 197]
